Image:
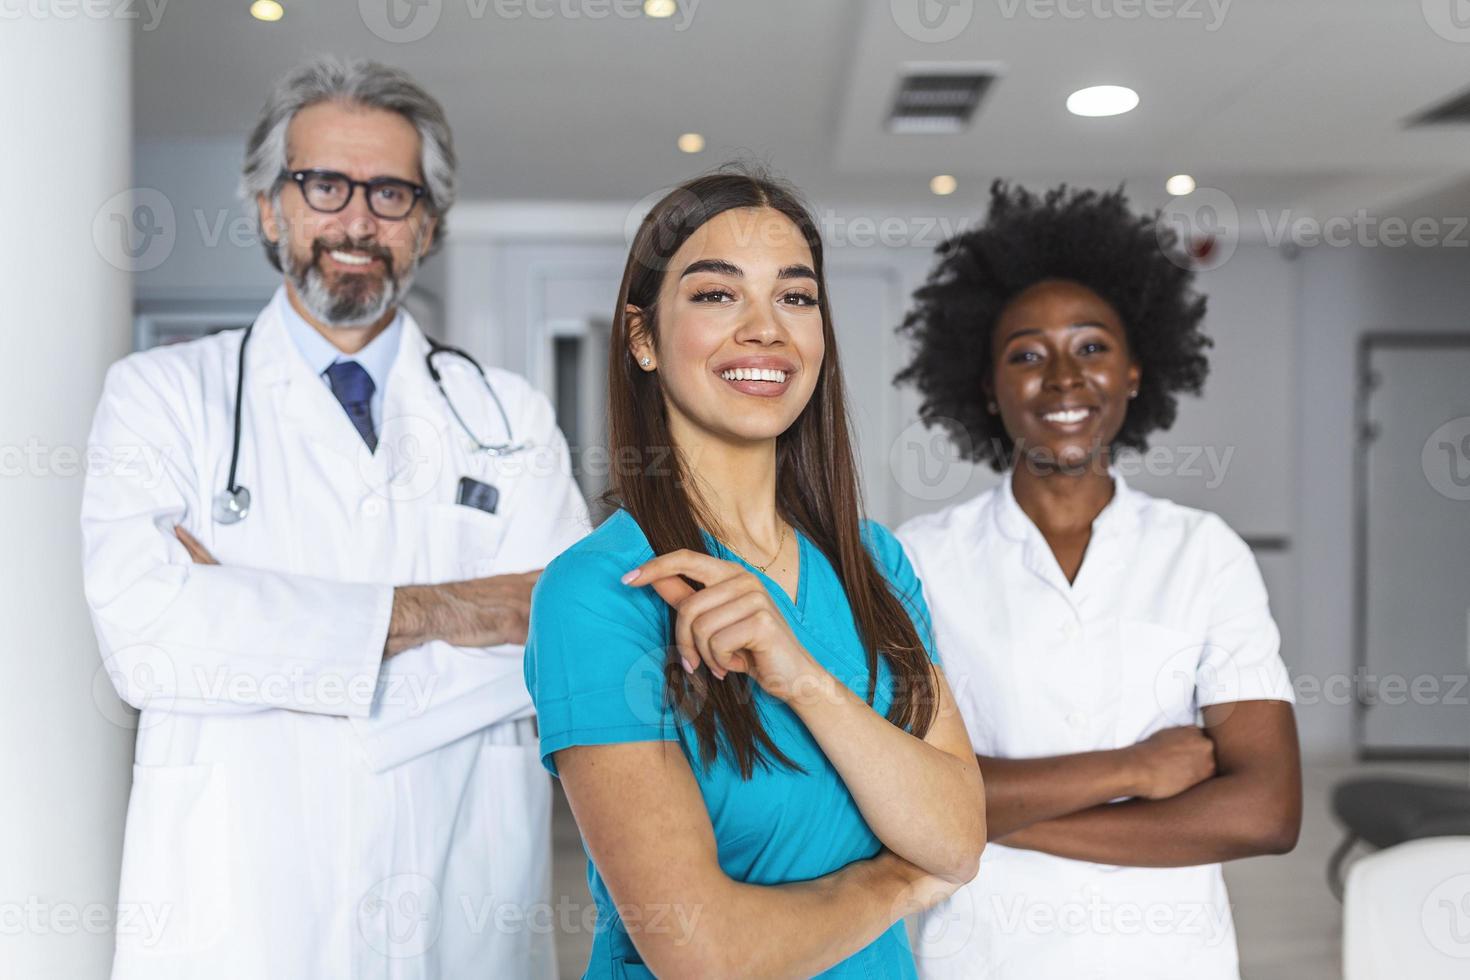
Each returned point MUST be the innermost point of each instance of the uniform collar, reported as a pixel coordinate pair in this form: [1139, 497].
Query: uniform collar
[274, 357]
[376, 358]
[278, 373]
[1119, 516]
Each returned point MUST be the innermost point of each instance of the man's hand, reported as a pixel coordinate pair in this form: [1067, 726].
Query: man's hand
[1170, 761]
[492, 610]
[477, 612]
[191, 544]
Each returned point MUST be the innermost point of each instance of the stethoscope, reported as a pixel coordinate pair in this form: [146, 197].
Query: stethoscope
[232, 504]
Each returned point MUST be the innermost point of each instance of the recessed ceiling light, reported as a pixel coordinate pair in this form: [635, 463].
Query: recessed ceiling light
[1102, 100]
[943, 185]
[267, 10]
[1179, 185]
[660, 8]
[691, 142]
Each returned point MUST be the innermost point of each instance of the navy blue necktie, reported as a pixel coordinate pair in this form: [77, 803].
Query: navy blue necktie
[354, 388]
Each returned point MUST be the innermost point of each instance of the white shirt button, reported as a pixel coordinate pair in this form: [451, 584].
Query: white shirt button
[372, 508]
[1068, 630]
[1077, 720]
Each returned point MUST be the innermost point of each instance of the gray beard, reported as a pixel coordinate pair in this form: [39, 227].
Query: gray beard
[356, 303]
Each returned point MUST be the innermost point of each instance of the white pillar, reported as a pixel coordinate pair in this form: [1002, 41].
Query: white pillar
[65, 312]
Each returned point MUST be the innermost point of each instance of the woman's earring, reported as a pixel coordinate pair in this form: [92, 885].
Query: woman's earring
[645, 361]
[994, 408]
[1133, 393]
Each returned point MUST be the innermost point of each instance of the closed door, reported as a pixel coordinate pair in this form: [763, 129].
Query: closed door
[1414, 546]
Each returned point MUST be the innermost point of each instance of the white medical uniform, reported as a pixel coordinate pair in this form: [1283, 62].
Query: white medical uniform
[1168, 614]
[300, 808]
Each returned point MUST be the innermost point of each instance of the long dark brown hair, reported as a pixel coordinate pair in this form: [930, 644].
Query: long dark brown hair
[816, 479]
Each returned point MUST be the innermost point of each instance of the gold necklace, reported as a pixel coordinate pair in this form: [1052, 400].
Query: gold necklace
[780, 544]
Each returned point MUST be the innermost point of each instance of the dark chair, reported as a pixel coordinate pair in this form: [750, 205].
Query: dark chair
[1385, 812]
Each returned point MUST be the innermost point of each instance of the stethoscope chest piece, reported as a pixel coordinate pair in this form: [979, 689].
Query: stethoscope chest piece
[231, 506]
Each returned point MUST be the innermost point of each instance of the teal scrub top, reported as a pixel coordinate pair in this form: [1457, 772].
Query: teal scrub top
[594, 667]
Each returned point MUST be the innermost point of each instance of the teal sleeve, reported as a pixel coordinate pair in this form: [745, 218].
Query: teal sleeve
[888, 553]
[594, 656]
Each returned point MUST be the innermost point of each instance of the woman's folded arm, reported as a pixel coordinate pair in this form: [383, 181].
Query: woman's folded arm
[647, 831]
[1253, 805]
[924, 798]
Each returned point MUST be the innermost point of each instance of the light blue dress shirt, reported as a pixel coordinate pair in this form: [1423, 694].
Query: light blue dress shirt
[376, 358]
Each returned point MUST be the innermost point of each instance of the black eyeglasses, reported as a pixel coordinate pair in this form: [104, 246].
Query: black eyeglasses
[329, 192]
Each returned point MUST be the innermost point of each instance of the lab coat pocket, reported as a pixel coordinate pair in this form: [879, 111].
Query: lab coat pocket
[176, 883]
[1161, 677]
[468, 541]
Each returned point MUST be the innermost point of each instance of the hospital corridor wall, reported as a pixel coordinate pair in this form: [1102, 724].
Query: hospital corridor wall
[68, 739]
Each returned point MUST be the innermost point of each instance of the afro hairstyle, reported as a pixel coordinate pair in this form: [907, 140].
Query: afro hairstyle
[1083, 236]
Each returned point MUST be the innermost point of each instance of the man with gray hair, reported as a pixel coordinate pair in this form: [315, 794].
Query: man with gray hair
[319, 610]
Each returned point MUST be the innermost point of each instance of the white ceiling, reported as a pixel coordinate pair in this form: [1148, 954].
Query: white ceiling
[1280, 103]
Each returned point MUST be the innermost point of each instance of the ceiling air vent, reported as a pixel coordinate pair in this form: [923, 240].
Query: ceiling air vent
[939, 98]
[1455, 109]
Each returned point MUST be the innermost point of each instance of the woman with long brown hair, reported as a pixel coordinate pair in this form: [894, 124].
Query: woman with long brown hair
[732, 674]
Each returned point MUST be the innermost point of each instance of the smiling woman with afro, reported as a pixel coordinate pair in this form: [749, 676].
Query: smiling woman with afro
[1082, 236]
[1123, 685]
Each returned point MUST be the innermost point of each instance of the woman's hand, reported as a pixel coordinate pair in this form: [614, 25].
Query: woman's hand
[1171, 760]
[732, 624]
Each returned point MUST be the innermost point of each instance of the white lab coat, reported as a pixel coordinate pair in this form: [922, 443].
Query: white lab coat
[299, 808]
[1167, 614]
